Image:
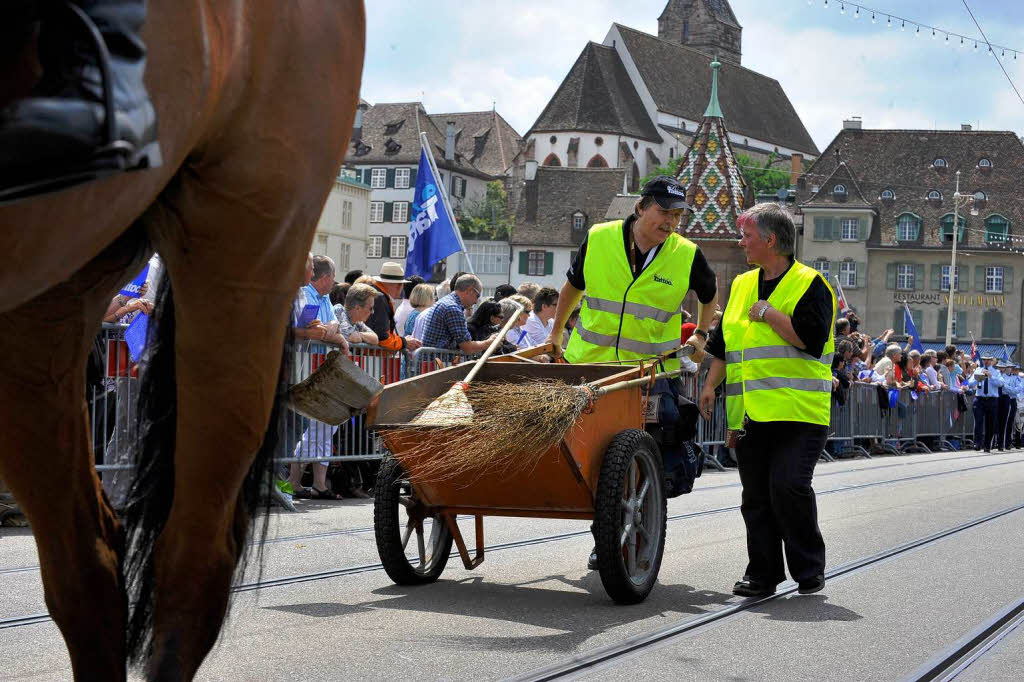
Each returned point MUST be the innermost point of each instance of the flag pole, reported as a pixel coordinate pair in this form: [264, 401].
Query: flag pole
[425, 145]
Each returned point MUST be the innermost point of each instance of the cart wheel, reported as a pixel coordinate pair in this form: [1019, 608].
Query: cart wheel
[630, 514]
[398, 516]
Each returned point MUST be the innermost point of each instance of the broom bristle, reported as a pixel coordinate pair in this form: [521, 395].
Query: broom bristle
[512, 426]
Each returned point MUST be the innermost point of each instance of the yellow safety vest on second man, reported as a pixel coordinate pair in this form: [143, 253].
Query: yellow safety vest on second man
[767, 377]
[627, 319]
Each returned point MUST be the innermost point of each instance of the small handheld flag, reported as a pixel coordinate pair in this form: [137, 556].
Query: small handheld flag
[841, 303]
[908, 322]
[975, 355]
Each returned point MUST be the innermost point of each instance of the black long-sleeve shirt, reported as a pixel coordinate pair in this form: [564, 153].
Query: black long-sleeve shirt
[812, 316]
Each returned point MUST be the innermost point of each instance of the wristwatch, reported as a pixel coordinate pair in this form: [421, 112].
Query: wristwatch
[763, 310]
[701, 333]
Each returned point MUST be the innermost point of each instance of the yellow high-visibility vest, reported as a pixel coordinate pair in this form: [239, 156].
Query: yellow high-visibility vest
[766, 377]
[626, 319]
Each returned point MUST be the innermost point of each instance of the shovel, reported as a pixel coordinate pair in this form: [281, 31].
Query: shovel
[334, 391]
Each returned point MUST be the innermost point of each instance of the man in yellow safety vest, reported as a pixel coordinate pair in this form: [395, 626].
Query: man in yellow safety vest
[774, 349]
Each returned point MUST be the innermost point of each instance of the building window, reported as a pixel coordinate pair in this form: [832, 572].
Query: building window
[905, 276]
[486, 259]
[997, 229]
[378, 178]
[346, 257]
[823, 267]
[850, 229]
[839, 189]
[579, 221]
[946, 229]
[992, 324]
[535, 263]
[402, 178]
[686, 31]
[848, 274]
[376, 211]
[908, 227]
[458, 187]
[944, 284]
[400, 212]
[888, 195]
[373, 245]
[939, 162]
[346, 215]
[994, 279]
[984, 163]
[935, 195]
[397, 247]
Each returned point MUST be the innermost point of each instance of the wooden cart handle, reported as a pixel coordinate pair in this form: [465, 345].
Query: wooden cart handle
[494, 344]
[685, 351]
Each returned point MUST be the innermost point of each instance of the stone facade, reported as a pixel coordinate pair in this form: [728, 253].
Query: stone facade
[705, 25]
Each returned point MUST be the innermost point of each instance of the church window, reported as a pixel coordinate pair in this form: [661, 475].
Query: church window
[552, 160]
[598, 141]
[597, 161]
[686, 31]
[636, 145]
[553, 139]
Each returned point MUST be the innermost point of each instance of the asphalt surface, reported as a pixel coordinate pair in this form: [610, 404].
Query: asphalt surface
[536, 605]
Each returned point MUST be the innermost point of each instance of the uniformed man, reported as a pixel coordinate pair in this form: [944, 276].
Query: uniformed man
[774, 349]
[986, 382]
[632, 276]
[1007, 404]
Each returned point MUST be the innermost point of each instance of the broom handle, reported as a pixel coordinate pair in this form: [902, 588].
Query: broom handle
[494, 344]
[630, 383]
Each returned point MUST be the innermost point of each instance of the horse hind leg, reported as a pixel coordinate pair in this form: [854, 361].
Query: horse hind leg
[46, 460]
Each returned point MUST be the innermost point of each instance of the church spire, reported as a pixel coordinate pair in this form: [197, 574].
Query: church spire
[713, 108]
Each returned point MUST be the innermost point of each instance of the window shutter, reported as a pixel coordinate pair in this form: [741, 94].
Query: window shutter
[412, 177]
[863, 229]
[834, 271]
[389, 211]
[862, 275]
[1007, 278]
[937, 277]
[897, 321]
[961, 323]
[918, 317]
[941, 327]
[962, 279]
[979, 278]
[549, 262]
[890, 277]
[837, 228]
[819, 230]
[389, 180]
[385, 247]
[918, 276]
[523, 263]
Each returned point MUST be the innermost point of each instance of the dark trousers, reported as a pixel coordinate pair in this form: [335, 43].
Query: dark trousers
[1007, 420]
[776, 464]
[984, 422]
[1002, 412]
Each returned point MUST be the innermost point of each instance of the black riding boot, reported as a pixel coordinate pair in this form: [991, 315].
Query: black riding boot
[90, 116]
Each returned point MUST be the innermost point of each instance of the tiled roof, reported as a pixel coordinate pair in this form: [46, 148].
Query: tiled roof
[680, 83]
[544, 215]
[719, 9]
[484, 138]
[597, 96]
[903, 161]
[826, 197]
[391, 135]
[621, 207]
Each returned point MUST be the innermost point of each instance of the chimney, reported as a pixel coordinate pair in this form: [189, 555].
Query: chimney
[852, 123]
[796, 167]
[449, 141]
[357, 125]
[965, 126]
[530, 172]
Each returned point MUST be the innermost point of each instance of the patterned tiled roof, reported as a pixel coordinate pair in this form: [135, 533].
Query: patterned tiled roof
[714, 185]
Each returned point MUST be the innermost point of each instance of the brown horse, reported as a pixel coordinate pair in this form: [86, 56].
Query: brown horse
[255, 100]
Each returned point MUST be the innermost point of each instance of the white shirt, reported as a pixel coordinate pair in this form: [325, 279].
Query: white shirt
[401, 315]
[536, 331]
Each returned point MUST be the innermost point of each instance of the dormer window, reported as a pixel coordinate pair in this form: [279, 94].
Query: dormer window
[939, 163]
[839, 189]
[980, 196]
[888, 195]
[935, 195]
[393, 127]
[361, 148]
[579, 221]
[984, 163]
[391, 147]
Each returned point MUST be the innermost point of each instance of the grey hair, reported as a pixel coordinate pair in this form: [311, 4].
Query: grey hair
[322, 265]
[358, 295]
[508, 307]
[468, 282]
[772, 220]
[892, 350]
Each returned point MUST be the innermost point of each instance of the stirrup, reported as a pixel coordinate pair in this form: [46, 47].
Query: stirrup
[112, 157]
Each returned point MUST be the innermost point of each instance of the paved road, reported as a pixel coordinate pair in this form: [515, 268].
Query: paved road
[533, 606]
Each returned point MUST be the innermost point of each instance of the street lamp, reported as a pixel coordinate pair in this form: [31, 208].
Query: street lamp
[958, 201]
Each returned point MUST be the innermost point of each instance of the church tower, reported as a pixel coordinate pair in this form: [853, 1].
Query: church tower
[705, 25]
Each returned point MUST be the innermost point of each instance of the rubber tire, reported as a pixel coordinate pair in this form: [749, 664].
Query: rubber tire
[388, 525]
[607, 518]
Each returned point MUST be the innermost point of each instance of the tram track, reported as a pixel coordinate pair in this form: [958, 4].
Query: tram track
[948, 664]
[362, 530]
[612, 654]
[32, 619]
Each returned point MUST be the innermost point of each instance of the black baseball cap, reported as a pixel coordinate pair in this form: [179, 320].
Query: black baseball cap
[667, 191]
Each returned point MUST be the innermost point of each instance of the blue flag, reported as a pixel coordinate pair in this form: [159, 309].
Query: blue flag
[135, 336]
[915, 338]
[432, 236]
[131, 290]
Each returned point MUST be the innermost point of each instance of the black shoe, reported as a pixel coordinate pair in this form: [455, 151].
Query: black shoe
[753, 588]
[90, 116]
[811, 585]
[592, 561]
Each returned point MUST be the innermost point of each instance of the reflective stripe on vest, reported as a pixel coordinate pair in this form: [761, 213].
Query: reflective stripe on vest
[768, 378]
[626, 319]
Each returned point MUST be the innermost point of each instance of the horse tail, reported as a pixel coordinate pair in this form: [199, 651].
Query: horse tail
[152, 492]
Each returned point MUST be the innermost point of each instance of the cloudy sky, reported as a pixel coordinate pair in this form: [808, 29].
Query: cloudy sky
[466, 55]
